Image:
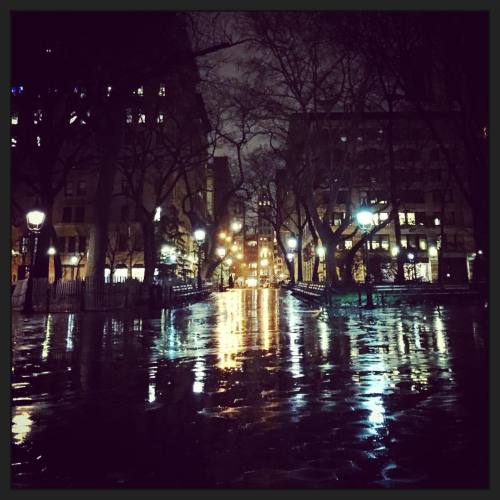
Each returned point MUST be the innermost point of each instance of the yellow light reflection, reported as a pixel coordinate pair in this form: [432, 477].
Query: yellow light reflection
[21, 423]
[263, 315]
[229, 329]
[441, 344]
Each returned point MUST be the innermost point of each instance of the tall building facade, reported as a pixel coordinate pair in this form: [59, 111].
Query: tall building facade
[161, 161]
[434, 219]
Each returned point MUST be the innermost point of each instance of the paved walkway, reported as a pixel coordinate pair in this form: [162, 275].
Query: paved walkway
[251, 389]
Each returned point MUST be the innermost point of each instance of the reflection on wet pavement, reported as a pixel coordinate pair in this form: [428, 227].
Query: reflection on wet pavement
[251, 389]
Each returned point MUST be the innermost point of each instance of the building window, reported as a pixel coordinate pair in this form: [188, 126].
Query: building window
[13, 142]
[348, 244]
[125, 213]
[122, 243]
[160, 118]
[108, 90]
[337, 218]
[61, 243]
[384, 241]
[38, 141]
[363, 197]
[129, 116]
[162, 91]
[81, 188]
[79, 214]
[14, 119]
[404, 241]
[422, 242]
[139, 91]
[66, 215]
[82, 244]
[420, 218]
[449, 218]
[374, 243]
[402, 218]
[410, 218]
[141, 118]
[71, 244]
[68, 188]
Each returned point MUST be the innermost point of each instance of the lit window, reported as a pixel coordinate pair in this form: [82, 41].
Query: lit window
[402, 218]
[13, 142]
[72, 117]
[139, 91]
[14, 120]
[129, 115]
[437, 221]
[161, 92]
[38, 141]
[48, 51]
[404, 242]
[160, 118]
[108, 90]
[383, 216]
[384, 241]
[348, 244]
[375, 244]
[83, 93]
[410, 217]
[422, 243]
[343, 138]
[142, 118]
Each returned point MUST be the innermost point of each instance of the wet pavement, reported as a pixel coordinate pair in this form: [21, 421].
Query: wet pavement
[251, 389]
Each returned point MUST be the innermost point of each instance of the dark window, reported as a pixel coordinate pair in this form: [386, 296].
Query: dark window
[412, 196]
[71, 244]
[79, 214]
[449, 218]
[122, 243]
[125, 187]
[337, 218]
[66, 215]
[371, 155]
[337, 155]
[61, 243]
[434, 175]
[448, 195]
[406, 154]
[138, 246]
[81, 188]
[420, 218]
[82, 244]
[342, 196]
[125, 213]
[68, 188]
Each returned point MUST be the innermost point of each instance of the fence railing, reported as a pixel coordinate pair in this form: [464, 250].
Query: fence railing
[96, 295]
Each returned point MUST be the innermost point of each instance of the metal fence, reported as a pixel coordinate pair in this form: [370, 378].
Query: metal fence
[96, 295]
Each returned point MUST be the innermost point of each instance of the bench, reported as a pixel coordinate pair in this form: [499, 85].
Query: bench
[310, 291]
[185, 293]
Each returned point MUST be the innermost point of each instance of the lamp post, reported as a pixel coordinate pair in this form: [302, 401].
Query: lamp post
[364, 218]
[199, 238]
[34, 222]
[221, 252]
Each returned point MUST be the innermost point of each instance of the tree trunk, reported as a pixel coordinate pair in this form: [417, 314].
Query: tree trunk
[110, 138]
[400, 275]
[148, 231]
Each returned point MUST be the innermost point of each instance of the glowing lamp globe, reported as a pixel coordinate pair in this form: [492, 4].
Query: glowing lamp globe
[199, 236]
[35, 220]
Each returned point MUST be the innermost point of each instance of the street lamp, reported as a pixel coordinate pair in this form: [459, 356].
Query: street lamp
[221, 253]
[199, 237]
[236, 226]
[364, 218]
[34, 222]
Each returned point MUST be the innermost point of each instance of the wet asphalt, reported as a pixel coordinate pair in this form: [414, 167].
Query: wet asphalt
[251, 389]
